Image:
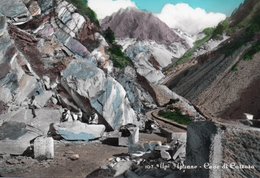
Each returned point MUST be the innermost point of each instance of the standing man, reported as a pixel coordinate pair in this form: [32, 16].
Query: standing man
[33, 105]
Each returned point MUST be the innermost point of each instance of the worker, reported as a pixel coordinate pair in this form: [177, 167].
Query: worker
[33, 105]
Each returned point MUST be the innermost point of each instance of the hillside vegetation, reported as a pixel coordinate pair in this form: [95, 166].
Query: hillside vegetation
[85, 10]
[244, 20]
[176, 116]
[210, 33]
[119, 58]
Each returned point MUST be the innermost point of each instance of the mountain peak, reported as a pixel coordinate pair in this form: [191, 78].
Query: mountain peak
[128, 9]
[133, 23]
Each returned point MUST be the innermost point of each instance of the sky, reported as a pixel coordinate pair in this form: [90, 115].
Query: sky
[190, 16]
[222, 6]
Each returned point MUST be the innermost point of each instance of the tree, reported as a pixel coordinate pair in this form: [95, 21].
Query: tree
[220, 29]
[109, 35]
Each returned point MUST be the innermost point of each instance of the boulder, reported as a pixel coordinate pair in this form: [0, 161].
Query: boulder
[151, 126]
[16, 11]
[100, 57]
[43, 148]
[139, 98]
[26, 1]
[128, 135]
[34, 8]
[122, 141]
[76, 23]
[144, 61]
[84, 80]
[74, 157]
[121, 167]
[76, 47]
[181, 151]
[72, 44]
[102, 41]
[43, 98]
[150, 146]
[78, 131]
[65, 100]
[134, 135]
[71, 21]
[44, 117]
[62, 36]
[15, 137]
[179, 136]
[174, 136]
[47, 82]
[46, 31]
[163, 147]
[46, 5]
[17, 80]
[136, 150]
[164, 96]
[2, 24]
[165, 155]
[144, 69]
[12, 161]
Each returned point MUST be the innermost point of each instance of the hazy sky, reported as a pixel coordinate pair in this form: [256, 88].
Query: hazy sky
[223, 6]
[191, 16]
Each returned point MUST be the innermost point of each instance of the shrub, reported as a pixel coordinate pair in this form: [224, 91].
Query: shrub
[118, 57]
[245, 37]
[234, 68]
[109, 35]
[220, 29]
[252, 51]
[254, 26]
[208, 31]
[120, 60]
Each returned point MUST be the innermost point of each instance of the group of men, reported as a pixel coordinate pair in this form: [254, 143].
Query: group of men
[67, 115]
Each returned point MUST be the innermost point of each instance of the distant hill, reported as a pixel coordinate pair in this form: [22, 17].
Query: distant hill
[133, 23]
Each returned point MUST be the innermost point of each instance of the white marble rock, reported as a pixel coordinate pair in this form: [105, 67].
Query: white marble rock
[44, 148]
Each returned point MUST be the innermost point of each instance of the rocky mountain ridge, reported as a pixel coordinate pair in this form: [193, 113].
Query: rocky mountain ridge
[133, 23]
[147, 41]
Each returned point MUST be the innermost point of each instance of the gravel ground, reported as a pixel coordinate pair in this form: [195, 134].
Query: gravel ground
[91, 157]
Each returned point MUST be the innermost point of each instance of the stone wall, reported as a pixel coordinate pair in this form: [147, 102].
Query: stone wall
[223, 151]
[198, 148]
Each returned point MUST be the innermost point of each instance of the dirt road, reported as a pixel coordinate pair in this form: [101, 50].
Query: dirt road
[91, 157]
